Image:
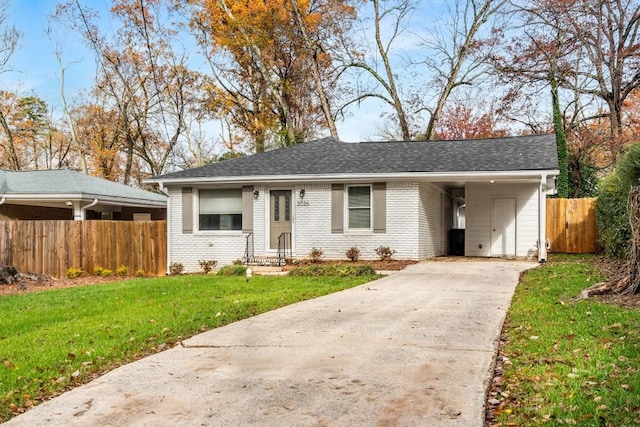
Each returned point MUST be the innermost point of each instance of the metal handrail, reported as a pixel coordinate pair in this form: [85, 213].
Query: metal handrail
[282, 248]
[248, 256]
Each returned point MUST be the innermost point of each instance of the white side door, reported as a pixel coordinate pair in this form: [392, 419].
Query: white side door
[503, 226]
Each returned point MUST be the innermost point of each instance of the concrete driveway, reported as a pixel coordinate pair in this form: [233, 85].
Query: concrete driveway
[412, 349]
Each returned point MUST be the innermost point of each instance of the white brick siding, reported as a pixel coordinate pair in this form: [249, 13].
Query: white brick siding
[189, 249]
[418, 219]
[432, 221]
[478, 198]
[312, 227]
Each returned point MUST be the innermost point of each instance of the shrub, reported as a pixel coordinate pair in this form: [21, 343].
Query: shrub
[176, 268]
[73, 272]
[385, 253]
[233, 270]
[612, 214]
[106, 272]
[316, 254]
[122, 271]
[139, 273]
[353, 253]
[207, 266]
[339, 270]
[97, 270]
[237, 262]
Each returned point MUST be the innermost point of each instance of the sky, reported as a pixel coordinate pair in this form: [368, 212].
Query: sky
[34, 69]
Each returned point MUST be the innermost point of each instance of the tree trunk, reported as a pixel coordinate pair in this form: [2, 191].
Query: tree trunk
[393, 91]
[315, 70]
[13, 155]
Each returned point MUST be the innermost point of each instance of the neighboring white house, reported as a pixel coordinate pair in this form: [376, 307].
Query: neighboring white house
[333, 195]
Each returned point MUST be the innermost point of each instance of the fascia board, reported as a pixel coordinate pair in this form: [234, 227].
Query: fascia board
[429, 176]
[84, 197]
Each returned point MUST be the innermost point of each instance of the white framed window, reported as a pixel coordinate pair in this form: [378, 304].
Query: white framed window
[359, 207]
[220, 209]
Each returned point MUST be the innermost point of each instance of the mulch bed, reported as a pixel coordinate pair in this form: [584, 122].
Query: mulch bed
[46, 283]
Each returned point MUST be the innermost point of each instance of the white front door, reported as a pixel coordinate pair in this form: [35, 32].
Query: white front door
[503, 226]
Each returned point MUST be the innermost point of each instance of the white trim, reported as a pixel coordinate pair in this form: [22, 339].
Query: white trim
[542, 219]
[533, 175]
[346, 228]
[85, 197]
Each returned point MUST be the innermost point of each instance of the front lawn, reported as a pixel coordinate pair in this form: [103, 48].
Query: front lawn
[54, 340]
[568, 363]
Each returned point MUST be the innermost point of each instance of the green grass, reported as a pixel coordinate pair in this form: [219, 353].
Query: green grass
[569, 363]
[54, 340]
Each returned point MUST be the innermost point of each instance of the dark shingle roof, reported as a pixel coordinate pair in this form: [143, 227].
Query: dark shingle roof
[330, 156]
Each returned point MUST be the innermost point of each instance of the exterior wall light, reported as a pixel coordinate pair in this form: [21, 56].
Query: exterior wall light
[256, 194]
[302, 192]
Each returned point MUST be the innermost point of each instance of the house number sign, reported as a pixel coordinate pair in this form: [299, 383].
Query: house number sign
[302, 203]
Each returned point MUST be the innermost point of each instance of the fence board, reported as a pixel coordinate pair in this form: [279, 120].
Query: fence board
[571, 225]
[52, 247]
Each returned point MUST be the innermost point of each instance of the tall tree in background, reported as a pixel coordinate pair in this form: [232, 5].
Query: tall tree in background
[460, 52]
[461, 121]
[272, 70]
[140, 76]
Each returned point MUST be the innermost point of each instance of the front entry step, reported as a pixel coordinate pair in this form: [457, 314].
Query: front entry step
[265, 261]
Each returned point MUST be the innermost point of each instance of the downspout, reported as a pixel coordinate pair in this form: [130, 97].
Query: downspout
[83, 210]
[162, 189]
[542, 225]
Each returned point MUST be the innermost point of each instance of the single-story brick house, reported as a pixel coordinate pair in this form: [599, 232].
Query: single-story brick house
[63, 194]
[333, 195]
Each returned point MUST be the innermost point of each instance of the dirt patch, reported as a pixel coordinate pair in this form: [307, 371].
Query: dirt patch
[46, 283]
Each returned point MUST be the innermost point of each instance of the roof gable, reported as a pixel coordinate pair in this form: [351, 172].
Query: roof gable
[330, 156]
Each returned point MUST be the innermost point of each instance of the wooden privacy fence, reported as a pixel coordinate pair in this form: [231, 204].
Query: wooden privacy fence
[571, 225]
[52, 247]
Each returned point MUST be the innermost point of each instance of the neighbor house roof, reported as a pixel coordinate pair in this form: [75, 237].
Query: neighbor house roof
[64, 184]
[329, 156]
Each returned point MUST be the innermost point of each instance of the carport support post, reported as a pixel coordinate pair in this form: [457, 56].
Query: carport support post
[78, 213]
[542, 226]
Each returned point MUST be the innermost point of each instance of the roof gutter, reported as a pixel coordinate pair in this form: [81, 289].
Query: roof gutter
[433, 176]
[83, 209]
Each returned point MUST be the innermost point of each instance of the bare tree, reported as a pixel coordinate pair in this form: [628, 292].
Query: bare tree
[460, 54]
[391, 13]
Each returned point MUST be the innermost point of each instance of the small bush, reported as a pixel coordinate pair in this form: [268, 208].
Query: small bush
[353, 254]
[207, 266]
[73, 272]
[336, 270]
[237, 262]
[97, 270]
[122, 271]
[385, 253]
[316, 254]
[233, 270]
[176, 268]
[139, 273]
[106, 272]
